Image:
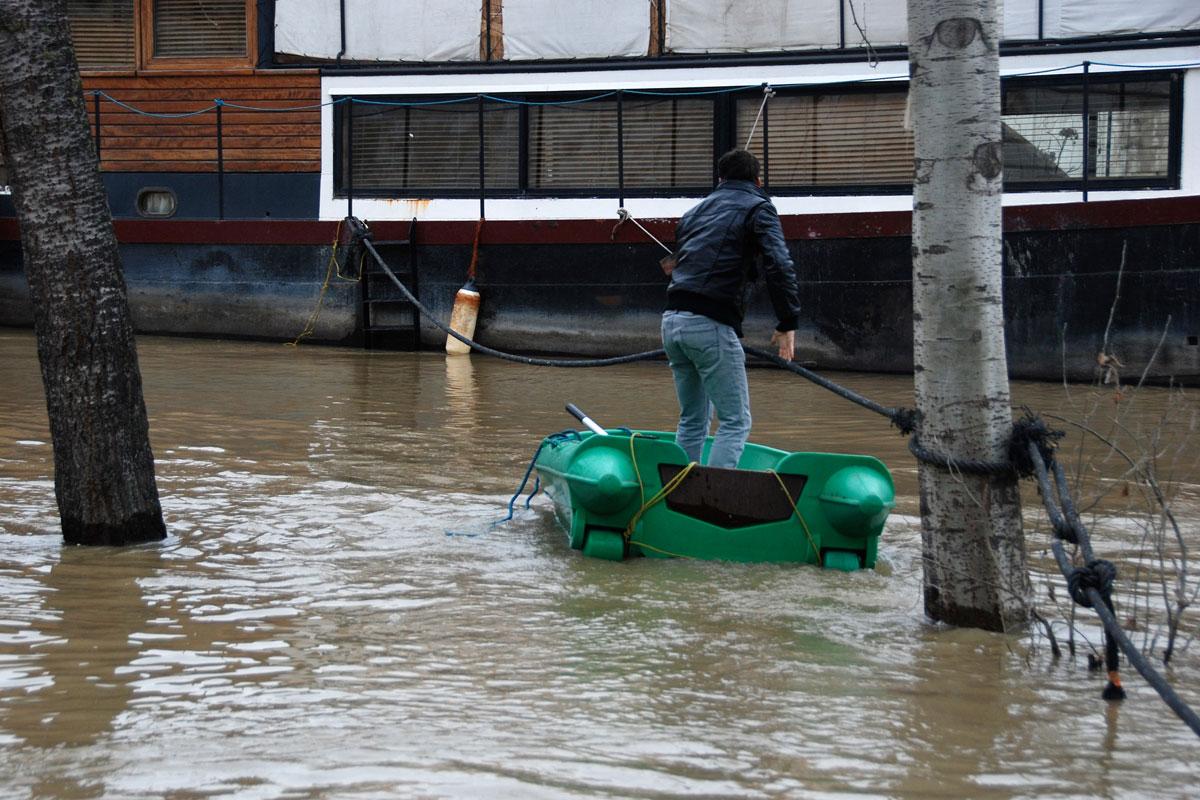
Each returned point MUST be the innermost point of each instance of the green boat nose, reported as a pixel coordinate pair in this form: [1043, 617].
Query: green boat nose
[602, 479]
[856, 500]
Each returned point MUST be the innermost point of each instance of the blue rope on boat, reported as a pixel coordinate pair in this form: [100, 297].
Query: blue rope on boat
[553, 440]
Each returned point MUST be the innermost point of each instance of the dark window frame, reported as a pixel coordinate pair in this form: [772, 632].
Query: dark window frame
[725, 138]
[523, 156]
[1172, 180]
[144, 60]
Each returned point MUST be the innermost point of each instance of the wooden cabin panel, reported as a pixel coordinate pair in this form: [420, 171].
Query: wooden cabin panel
[270, 137]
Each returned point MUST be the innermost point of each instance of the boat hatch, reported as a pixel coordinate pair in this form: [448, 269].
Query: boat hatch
[732, 498]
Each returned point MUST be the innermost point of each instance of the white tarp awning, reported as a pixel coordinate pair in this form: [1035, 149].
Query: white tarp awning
[449, 30]
[575, 28]
[747, 26]
[413, 30]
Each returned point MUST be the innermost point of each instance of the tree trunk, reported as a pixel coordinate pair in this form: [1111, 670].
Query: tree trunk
[973, 543]
[103, 467]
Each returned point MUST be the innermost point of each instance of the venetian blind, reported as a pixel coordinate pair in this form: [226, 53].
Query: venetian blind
[832, 140]
[668, 143]
[199, 28]
[431, 149]
[102, 31]
[573, 146]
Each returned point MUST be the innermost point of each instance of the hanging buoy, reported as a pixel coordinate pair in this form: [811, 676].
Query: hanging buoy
[466, 305]
[462, 319]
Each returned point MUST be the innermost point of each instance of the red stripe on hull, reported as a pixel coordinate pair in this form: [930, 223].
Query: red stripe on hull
[1049, 217]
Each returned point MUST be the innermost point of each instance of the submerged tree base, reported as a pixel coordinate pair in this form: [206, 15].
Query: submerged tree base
[137, 529]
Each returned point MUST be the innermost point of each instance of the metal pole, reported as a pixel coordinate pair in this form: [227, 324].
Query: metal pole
[841, 24]
[766, 147]
[482, 178]
[96, 110]
[1041, 17]
[1087, 129]
[350, 157]
[620, 149]
[487, 12]
[220, 164]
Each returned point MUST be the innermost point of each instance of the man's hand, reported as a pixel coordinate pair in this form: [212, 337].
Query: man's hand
[786, 340]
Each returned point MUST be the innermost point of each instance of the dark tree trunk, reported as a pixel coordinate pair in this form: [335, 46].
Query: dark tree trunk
[103, 466]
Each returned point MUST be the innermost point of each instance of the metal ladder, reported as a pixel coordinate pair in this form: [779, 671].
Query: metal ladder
[389, 320]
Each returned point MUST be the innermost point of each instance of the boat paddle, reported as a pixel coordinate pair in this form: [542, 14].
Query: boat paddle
[588, 422]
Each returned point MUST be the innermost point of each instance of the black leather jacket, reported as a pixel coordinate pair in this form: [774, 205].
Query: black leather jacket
[716, 244]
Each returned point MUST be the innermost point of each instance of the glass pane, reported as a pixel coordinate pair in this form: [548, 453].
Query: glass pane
[1129, 127]
[668, 143]
[831, 140]
[199, 28]
[432, 148]
[1043, 134]
[102, 31]
[573, 146]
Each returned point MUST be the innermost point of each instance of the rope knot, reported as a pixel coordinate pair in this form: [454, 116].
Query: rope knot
[1032, 429]
[905, 420]
[1098, 574]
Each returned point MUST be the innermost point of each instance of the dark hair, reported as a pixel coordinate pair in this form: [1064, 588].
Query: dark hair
[738, 165]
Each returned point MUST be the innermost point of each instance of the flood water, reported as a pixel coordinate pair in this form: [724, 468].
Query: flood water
[310, 630]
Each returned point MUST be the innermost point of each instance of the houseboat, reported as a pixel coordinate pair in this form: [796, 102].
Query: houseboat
[556, 140]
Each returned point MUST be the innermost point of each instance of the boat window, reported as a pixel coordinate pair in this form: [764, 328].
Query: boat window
[199, 28]
[668, 143]
[140, 34]
[850, 139]
[103, 33]
[156, 202]
[431, 148]
[1127, 131]
[573, 146]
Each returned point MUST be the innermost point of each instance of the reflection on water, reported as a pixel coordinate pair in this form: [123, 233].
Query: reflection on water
[309, 629]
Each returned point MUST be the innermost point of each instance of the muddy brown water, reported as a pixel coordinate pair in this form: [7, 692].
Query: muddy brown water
[310, 629]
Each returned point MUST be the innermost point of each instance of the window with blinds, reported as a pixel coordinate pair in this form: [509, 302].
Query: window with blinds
[668, 143]
[103, 33]
[1128, 130]
[573, 146]
[431, 149]
[199, 28]
[848, 140]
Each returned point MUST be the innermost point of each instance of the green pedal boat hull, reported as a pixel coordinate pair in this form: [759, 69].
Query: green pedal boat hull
[632, 493]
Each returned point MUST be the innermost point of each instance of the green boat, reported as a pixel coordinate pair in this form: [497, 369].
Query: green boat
[624, 493]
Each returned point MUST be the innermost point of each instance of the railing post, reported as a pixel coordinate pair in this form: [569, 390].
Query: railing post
[350, 157]
[96, 113]
[620, 149]
[220, 162]
[766, 165]
[1087, 130]
[482, 164]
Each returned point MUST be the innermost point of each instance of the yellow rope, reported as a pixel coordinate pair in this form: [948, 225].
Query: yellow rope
[799, 516]
[669, 487]
[330, 270]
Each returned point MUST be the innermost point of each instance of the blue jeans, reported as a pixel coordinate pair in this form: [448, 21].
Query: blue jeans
[710, 373]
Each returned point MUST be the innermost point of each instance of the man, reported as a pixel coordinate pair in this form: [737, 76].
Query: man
[717, 243]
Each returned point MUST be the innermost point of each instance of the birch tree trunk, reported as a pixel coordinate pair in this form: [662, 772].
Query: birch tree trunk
[103, 466]
[973, 543]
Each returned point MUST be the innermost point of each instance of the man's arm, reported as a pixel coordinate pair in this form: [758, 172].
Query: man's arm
[782, 286]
